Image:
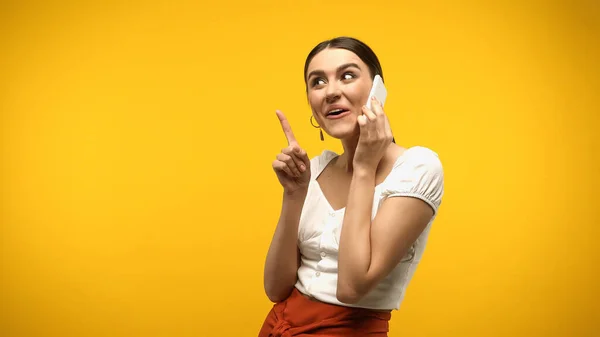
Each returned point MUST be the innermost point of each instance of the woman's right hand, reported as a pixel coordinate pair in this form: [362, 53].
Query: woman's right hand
[292, 165]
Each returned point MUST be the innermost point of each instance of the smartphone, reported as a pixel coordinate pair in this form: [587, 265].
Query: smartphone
[378, 90]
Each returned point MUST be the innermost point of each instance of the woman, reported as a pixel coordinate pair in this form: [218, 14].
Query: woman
[352, 227]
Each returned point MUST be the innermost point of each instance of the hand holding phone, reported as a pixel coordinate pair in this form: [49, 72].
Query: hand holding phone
[378, 91]
[375, 132]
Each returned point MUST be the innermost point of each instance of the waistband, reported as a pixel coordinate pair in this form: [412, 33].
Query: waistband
[299, 314]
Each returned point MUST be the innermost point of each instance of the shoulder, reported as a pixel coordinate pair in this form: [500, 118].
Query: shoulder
[419, 158]
[417, 173]
[318, 163]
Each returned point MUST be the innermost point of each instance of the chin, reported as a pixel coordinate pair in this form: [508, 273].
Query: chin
[343, 131]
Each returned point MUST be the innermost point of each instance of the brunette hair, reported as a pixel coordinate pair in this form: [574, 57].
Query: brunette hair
[361, 49]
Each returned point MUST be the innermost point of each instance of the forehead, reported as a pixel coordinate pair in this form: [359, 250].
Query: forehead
[331, 58]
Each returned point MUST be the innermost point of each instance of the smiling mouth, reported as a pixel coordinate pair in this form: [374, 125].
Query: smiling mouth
[337, 113]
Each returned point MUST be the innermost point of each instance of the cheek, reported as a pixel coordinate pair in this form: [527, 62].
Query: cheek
[314, 101]
[358, 95]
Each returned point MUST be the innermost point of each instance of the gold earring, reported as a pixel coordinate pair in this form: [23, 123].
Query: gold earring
[318, 127]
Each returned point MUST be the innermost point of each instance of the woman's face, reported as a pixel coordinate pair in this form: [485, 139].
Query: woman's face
[339, 83]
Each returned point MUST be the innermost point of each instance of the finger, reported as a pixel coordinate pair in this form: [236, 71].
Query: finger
[304, 157]
[287, 129]
[281, 166]
[368, 121]
[376, 107]
[294, 152]
[388, 129]
[369, 113]
[289, 161]
[362, 121]
[368, 124]
[291, 164]
[382, 121]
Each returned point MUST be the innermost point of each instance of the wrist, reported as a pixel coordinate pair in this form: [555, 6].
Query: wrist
[296, 194]
[364, 173]
[363, 165]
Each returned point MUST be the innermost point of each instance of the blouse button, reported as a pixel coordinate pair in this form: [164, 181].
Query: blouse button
[318, 274]
[323, 254]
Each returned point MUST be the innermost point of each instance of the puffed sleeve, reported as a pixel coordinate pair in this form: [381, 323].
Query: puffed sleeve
[419, 175]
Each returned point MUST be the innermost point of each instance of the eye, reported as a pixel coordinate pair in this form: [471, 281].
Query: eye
[348, 75]
[317, 81]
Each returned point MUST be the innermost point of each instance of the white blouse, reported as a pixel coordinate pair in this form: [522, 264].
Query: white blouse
[417, 173]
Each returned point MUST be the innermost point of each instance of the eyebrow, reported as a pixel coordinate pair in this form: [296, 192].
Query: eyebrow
[340, 68]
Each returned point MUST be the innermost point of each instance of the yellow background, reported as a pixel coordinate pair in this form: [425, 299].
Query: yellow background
[137, 196]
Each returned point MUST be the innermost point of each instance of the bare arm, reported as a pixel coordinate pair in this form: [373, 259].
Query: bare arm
[283, 258]
[369, 250]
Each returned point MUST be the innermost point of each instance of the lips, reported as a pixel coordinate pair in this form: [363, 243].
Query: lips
[336, 111]
[338, 114]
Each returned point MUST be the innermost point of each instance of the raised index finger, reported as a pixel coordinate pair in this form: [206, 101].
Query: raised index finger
[287, 129]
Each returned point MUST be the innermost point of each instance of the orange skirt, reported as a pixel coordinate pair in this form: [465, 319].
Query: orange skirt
[300, 316]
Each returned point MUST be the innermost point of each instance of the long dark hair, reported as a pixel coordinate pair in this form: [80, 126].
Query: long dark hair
[361, 49]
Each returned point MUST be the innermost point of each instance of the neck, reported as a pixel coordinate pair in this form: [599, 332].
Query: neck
[346, 159]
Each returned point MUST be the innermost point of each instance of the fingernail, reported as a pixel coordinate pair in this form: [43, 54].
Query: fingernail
[302, 168]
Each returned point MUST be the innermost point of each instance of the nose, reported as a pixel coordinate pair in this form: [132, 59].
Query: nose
[333, 92]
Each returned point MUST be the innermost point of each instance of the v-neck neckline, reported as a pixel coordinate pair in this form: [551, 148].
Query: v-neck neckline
[335, 155]
[331, 209]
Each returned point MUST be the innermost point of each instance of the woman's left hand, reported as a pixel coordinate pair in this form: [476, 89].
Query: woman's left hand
[375, 137]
